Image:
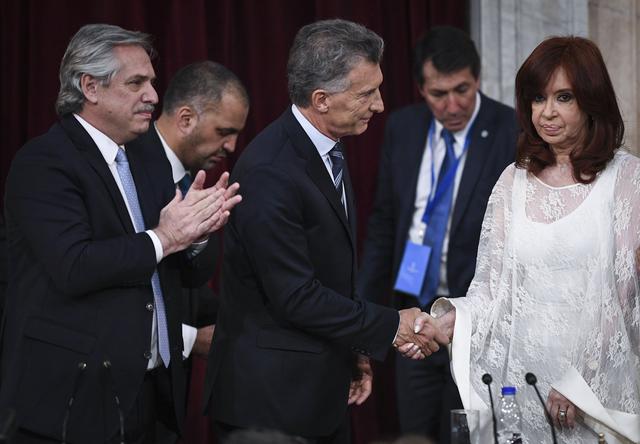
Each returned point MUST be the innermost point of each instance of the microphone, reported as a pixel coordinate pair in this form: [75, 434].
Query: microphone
[487, 379]
[532, 380]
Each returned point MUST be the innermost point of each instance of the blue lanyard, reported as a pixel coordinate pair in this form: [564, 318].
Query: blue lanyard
[449, 177]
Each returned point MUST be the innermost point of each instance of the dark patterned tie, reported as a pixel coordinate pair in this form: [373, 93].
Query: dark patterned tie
[337, 167]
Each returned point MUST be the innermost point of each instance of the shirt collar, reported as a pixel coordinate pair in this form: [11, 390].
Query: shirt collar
[108, 148]
[461, 135]
[177, 168]
[322, 143]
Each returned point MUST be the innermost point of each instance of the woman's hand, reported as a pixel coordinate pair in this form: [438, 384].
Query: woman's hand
[562, 411]
[446, 323]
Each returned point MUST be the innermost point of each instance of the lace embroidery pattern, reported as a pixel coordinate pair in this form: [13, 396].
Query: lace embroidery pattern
[556, 287]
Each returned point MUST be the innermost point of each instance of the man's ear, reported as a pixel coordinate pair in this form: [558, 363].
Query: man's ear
[89, 85]
[186, 119]
[320, 100]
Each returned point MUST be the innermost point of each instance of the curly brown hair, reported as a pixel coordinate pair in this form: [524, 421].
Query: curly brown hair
[583, 64]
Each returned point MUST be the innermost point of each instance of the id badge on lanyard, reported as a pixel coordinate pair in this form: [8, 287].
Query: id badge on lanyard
[415, 259]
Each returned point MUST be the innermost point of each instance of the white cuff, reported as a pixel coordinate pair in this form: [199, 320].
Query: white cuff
[573, 386]
[157, 245]
[189, 334]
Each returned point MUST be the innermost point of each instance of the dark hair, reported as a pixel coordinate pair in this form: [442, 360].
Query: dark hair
[585, 69]
[201, 84]
[324, 53]
[449, 49]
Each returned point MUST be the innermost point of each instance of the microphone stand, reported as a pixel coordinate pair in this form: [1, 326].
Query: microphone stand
[487, 379]
[532, 380]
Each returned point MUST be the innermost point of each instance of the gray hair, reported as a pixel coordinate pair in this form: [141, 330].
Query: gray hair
[90, 51]
[200, 85]
[323, 54]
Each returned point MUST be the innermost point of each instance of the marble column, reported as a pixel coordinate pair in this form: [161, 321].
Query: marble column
[506, 31]
[613, 25]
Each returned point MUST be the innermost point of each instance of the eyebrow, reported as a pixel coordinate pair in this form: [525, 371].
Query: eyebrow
[228, 130]
[367, 92]
[140, 77]
[459, 85]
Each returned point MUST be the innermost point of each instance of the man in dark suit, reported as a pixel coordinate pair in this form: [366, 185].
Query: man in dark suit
[204, 109]
[475, 137]
[291, 330]
[98, 248]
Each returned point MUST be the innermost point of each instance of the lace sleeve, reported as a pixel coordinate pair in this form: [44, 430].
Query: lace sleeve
[627, 245]
[608, 353]
[485, 288]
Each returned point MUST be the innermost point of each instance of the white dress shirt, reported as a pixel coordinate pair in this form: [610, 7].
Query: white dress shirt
[109, 149]
[178, 171]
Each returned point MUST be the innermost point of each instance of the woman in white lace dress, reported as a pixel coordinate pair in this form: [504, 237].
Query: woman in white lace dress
[556, 286]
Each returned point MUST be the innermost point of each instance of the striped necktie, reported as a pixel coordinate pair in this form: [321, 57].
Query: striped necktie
[337, 167]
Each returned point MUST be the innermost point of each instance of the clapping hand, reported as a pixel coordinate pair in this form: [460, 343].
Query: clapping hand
[193, 217]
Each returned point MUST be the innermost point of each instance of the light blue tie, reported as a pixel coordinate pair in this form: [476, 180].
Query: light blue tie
[437, 228]
[129, 186]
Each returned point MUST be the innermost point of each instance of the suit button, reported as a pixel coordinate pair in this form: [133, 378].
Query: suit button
[149, 306]
[147, 355]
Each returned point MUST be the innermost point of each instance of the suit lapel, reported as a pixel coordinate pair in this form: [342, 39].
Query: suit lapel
[151, 172]
[416, 142]
[481, 137]
[351, 201]
[317, 170]
[87, 146]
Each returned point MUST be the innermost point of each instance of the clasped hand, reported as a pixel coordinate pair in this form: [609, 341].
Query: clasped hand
[193, 217]
[420, 335]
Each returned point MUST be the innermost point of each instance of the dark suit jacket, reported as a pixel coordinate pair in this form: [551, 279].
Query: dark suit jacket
[200, 304]
[289, 320]
[79, 287]
[492, 148]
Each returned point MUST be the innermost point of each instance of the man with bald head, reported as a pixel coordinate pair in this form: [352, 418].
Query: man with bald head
[204, 109]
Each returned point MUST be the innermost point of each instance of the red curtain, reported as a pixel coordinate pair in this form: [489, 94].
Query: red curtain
[252, 38]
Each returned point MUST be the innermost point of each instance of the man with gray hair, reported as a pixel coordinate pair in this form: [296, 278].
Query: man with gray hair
[293, 340]
[98, 249]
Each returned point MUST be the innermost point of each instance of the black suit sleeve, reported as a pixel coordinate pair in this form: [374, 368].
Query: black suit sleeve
[273, 226]
[45, 201]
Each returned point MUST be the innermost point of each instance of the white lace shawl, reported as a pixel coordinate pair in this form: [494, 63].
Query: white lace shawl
[555, 293]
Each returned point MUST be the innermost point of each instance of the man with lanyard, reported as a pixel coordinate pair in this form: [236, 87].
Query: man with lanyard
[439, 162]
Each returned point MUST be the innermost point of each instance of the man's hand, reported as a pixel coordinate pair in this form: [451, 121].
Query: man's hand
[361, 388]
[231, 198]
[203, 341]
[192, 218]
[418, 335]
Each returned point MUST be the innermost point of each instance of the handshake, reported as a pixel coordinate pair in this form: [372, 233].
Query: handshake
[420, 334]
